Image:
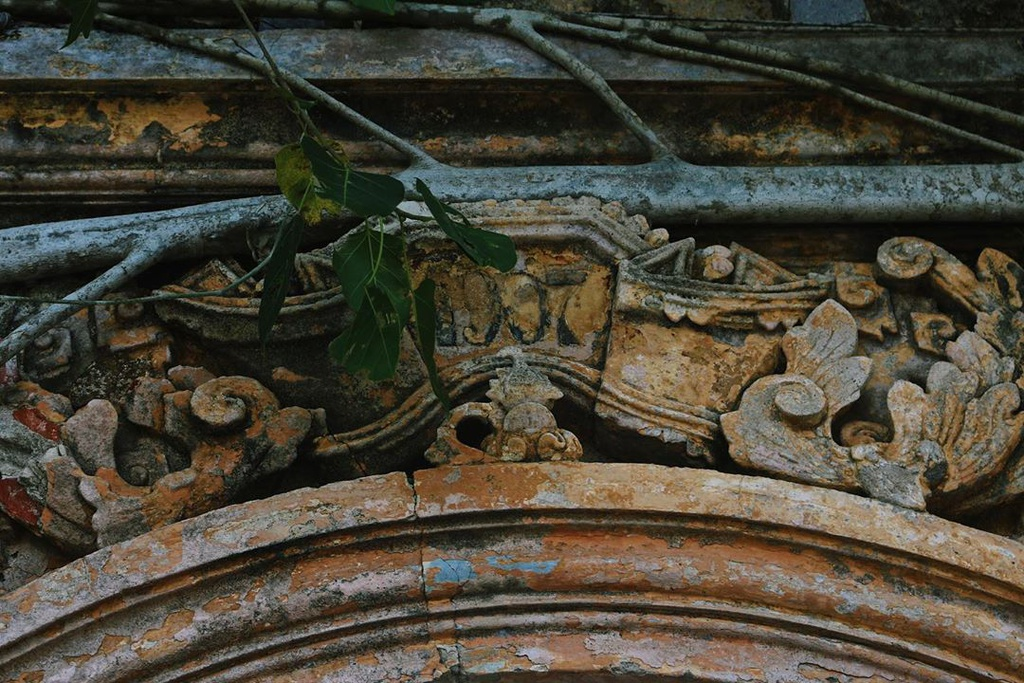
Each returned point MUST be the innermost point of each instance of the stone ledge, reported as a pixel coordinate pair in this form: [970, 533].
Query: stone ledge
[532, 570]
[34, 60]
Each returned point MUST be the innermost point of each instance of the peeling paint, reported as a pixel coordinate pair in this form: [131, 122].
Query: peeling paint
[506, 563]
[451, 570]
[652, 653]
[180, 119]
[539, 657]
[351, 597]
[168, 637]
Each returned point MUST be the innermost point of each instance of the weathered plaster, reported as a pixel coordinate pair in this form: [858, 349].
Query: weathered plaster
[533, 572]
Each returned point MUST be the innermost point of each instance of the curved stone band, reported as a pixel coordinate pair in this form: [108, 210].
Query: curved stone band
[533, 572]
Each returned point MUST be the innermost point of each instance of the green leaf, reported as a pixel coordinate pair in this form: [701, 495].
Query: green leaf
[83, 12]
[295, 178]
[486, 248]
[372, 258]
[372, 194]
[426, 335]
[372, 341]
[278, 276]
[385, 6]
[364, 194]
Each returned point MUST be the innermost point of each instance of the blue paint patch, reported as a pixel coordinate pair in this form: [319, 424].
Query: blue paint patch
[451, 571]
[508, 564]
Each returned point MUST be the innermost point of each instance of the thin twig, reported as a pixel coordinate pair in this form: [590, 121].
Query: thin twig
[521, 25]
[211, 48]
[152, 298]
[275, 76]
[649, 46]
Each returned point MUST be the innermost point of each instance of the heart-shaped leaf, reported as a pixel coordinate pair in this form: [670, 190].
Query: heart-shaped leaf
[371, 343]
[297, 183]
[372, 258]
[278, 276]
[364, 194]
[486, 248]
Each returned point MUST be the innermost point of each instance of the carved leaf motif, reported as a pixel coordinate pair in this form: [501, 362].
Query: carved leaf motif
[1002, 276]
[1004, 329]
[989, 432]
[784, 423]
[820, 349]
[761, 438]
[949, 391]
[907, 406]
[973, 354]
[969, 414]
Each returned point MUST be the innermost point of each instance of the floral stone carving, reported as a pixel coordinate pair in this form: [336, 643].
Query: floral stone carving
[949, 439]
[990, 297]
[993, 294]
[518, 422]
[905, 386]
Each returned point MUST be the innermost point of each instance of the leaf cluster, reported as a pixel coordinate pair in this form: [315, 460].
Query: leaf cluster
[318, 180]
[371, 263]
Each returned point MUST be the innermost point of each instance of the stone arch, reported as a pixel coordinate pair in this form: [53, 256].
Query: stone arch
[534, 572]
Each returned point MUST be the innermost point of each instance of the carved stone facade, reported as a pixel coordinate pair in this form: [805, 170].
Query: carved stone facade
[897, 380]
[716, 425]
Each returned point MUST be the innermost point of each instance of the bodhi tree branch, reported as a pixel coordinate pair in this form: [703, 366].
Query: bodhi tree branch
[665, 188]
[646, 44]
[757, 54]
[521, 25]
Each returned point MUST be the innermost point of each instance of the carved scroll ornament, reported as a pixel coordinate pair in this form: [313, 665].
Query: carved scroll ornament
[89, 478]
[948, 438]
[954, 441]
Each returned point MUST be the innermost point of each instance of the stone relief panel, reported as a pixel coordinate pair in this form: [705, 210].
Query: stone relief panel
[949, 443]
[690, 329]
[898, 379]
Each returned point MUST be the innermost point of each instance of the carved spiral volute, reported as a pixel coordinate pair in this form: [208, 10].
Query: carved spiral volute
[800, 401]
[906, 258]
[230, 403]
